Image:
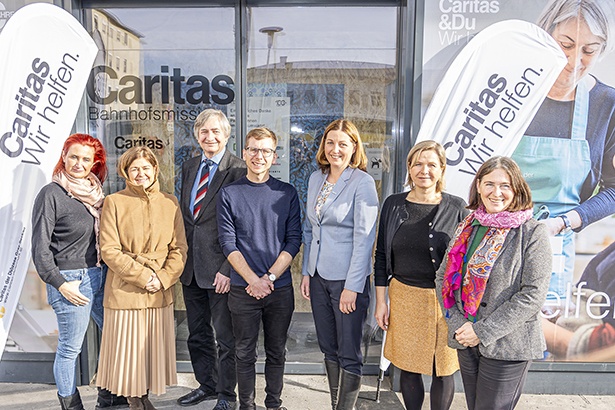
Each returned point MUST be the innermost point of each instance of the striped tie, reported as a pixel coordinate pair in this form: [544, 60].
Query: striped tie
[202, 189]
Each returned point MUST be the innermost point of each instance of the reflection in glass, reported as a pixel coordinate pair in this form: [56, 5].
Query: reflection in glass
[301, 78]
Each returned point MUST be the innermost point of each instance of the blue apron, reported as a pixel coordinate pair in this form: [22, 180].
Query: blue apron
[555, 169]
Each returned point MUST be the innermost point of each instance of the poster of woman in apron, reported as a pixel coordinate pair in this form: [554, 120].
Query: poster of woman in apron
[589, 334]
[567, 153]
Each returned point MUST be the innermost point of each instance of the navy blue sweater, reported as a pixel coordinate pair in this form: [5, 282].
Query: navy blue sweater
[260, 220]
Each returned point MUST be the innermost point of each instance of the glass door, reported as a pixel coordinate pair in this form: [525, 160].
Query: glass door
[305, 68]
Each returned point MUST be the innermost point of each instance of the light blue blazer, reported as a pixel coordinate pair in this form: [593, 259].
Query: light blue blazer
[340, 245]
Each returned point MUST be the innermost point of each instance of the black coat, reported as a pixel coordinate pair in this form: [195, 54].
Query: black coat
[205, 257]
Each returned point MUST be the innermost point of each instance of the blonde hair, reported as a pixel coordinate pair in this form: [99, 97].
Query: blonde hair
[416, 152]
[261, 133]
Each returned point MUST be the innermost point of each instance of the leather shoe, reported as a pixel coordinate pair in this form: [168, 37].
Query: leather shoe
[224, 405]
[196, 396]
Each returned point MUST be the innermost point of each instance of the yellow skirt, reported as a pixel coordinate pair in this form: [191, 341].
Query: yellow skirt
[137, 351]
[417, 332]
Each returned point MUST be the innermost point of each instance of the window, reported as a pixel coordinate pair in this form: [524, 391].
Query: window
[297, 86]
[305, 71]
[95, 22]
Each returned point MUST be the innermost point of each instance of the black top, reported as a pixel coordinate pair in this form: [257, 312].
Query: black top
[553, 120]
[63, 235]
[449, 213]
[410, 248]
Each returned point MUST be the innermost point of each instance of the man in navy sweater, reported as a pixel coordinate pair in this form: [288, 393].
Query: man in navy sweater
[259, 227]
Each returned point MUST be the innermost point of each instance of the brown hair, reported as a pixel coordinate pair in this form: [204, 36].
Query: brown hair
[261, 133]
[358, 159]
[416, 152]
[133, 154]
[523, 195]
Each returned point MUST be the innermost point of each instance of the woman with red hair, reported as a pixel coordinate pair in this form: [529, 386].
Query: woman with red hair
[65, 222]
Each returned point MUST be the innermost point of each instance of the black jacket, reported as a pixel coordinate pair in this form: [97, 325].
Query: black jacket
[450, 212]
[205, 257]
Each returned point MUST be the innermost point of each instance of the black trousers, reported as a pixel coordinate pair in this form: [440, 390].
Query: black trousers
[212, 355]
[339, 334]
[491, 384]
[275, 311]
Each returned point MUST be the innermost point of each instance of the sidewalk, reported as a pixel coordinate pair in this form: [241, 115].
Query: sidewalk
[301, 392]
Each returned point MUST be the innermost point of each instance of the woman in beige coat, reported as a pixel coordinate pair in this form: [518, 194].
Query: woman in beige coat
[144, 245]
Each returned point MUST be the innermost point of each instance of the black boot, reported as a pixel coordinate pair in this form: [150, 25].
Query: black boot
[106, 399]
[350, 385]
[147, 405]
[333, 376]
[72, 402]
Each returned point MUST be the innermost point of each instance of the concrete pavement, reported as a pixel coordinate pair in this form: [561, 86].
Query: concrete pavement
[301, 392]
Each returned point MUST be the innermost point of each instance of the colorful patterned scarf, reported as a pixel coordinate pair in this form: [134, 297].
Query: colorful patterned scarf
[481, 262]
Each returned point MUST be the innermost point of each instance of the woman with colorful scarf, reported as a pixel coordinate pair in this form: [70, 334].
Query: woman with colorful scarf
[415, 229]
[492, 285]
[65, 250]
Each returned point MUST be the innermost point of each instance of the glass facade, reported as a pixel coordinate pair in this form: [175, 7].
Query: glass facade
[157, 68]
[303, 73]
[290, 66]
[177, 66]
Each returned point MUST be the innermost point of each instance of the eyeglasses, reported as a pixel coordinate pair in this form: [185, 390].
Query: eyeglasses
[267, 152]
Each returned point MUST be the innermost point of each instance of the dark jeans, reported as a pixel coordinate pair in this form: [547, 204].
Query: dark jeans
[339, 334]
[275, 311]
[213, 358]
[491, 384]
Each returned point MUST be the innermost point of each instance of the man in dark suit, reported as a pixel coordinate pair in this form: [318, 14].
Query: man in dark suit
[206, 277]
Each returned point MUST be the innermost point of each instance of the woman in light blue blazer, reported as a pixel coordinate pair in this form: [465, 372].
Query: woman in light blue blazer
[338, 240]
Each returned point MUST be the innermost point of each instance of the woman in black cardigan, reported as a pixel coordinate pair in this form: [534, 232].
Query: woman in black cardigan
[415, 228]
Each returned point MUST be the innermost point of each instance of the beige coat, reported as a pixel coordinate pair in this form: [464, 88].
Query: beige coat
[141, 231]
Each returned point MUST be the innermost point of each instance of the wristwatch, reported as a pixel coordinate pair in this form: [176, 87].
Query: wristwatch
[271, 276]
[567, 228]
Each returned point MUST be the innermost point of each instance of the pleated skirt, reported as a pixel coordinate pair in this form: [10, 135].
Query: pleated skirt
[417, 333]
[137, 351]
